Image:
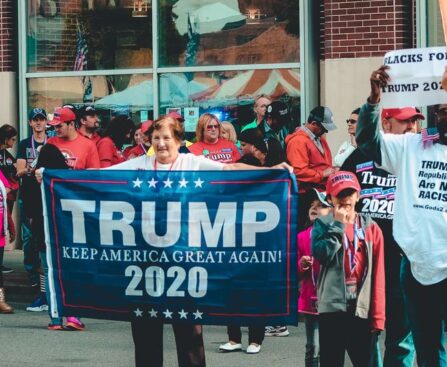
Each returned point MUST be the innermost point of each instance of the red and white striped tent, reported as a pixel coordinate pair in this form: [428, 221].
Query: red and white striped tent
[249, 84]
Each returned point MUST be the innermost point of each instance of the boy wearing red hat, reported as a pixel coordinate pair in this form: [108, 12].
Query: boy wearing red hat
[79, 152]
[351, 285]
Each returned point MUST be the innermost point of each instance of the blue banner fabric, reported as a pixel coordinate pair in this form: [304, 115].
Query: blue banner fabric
[204, 247]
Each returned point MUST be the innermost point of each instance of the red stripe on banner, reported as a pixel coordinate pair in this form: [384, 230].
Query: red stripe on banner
[56, 236]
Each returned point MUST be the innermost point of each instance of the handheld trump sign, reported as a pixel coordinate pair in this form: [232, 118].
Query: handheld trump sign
[416, 76]
[181, 246]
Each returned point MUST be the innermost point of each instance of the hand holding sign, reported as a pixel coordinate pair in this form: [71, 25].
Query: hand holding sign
[378, 80]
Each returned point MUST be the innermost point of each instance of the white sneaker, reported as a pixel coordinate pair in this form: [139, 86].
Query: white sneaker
[253, 348]
[229, 347]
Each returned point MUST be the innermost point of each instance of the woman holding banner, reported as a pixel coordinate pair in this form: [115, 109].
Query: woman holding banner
[166, 136]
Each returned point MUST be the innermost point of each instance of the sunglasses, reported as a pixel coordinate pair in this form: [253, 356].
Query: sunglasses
[211, 127]
[351, 121]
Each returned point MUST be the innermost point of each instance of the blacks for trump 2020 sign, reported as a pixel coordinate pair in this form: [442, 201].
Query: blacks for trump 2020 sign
[202, 247]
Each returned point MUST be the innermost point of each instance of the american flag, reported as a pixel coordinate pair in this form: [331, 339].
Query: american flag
[429, 136]
[81, 51]
[81, 64]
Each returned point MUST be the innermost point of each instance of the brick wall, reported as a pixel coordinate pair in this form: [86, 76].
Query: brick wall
[7, 36]
[361, 28]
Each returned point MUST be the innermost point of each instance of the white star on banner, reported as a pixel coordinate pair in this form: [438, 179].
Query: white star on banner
[137, 183]
[168, 314]
[138, 313]
[153, 313]
[183, 182]
[183, 314]
[153, 182]
[198, 182]
[168, 183]
[197, 314]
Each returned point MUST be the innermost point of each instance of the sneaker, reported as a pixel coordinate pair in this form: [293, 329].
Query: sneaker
[230, 347]
[73, 323]
[253, 349]
[276, 331]
[39, 304]
[55, 327]
[6, 270]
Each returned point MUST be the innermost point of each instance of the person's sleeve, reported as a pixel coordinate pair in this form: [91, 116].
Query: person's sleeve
[236, 155]
[195, 149]
[21, 151]
[298, 157]
[206, 164]
[348, 164]
[378, 280]
[4, 180]
[367, 133]
[93, 158]
[327, 237]
[344, 152]
[300, 252]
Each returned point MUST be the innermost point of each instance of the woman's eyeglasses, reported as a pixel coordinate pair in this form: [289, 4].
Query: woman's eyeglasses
[211, 127]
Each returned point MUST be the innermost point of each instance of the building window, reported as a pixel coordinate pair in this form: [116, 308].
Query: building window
[210, 55]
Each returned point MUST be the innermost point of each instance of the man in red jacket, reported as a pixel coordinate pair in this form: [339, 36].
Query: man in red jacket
[309, 154]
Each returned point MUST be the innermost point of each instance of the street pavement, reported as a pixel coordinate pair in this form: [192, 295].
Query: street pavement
[26, 342]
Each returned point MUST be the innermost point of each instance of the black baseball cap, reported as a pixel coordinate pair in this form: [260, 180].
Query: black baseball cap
[35, 112]
[87, 110]
[277, 110]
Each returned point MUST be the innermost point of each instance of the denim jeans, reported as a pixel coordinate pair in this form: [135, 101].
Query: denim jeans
[399, 346]
[312, 356]
[426, 305]
[43, 257]
[31, 259]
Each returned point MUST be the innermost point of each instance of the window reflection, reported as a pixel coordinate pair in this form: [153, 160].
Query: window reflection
[115, 36]
[131, 95]
[212, 32]
[231, 94]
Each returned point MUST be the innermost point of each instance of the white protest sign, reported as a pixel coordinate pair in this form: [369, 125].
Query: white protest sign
[415, 77]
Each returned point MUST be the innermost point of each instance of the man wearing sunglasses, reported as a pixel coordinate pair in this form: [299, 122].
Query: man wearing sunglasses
[349, 145]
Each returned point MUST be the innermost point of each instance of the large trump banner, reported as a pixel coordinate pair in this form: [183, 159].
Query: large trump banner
[203, 247]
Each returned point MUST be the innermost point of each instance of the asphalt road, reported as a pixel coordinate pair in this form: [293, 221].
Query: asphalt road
[25, 341]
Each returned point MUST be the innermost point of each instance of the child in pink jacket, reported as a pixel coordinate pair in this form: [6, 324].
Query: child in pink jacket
[308, 270]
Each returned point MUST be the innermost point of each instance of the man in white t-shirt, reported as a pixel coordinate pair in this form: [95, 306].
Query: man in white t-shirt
[419, 162]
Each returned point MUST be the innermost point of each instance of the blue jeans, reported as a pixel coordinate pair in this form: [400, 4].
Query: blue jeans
[312, 356]
[43, 257]
[31, 259]
[426, 305]
[399, 346]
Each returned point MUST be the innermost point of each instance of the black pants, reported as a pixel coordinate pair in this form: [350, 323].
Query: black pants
[340, 332]
[255, 334]
[148, 340]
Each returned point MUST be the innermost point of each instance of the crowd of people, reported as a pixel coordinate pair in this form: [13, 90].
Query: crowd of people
[368, 259]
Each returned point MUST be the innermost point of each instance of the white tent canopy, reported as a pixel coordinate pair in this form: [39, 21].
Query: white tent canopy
[175, 91]
[209, 15]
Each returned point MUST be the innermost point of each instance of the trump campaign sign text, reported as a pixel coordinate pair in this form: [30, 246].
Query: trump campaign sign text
[205, 247]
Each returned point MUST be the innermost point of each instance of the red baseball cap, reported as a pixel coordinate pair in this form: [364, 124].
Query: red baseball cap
[176, 115]
[341, 180]
[145, 125]
[401, 113]
[62, 114]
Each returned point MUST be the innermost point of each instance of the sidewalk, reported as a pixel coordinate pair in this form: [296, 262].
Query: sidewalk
[17, 284]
